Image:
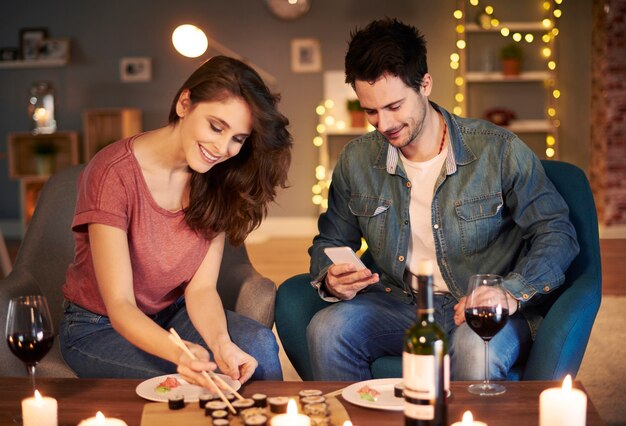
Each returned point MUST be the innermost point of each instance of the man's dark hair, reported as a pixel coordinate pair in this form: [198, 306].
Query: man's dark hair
[387, 46]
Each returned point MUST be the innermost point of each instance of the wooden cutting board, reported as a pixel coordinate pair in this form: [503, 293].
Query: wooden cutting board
[158, 414]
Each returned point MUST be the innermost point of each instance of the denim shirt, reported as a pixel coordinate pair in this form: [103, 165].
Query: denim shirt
[493, 211]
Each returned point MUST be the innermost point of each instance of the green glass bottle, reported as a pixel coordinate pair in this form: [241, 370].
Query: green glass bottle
[425, 361]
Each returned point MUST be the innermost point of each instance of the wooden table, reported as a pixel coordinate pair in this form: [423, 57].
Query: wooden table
[81, 398]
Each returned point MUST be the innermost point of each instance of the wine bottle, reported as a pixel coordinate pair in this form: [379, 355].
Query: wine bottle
[425, 360]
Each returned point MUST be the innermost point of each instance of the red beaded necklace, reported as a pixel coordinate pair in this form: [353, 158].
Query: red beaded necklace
[443, 137]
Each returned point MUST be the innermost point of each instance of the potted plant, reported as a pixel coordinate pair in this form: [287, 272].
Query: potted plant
[511, 56]
[357, 115]
[45, 152]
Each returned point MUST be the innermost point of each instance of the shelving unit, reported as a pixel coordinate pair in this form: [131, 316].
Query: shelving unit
[22, 148]
[104, 126]
[25, 166]
[484, 87]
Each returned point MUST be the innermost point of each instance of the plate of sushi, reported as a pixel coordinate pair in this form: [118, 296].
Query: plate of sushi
[162, 388]
[381, 394]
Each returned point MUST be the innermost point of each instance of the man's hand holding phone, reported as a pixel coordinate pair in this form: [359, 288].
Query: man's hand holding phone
[348, 275]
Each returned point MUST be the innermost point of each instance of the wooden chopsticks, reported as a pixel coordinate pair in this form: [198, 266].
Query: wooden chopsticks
[174, 337]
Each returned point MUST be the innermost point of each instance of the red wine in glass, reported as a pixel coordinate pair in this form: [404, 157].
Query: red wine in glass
[30, 349]
[29, 330]
[486, 313]
[486, 321]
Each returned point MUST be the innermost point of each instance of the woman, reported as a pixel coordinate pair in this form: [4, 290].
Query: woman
[152, 216]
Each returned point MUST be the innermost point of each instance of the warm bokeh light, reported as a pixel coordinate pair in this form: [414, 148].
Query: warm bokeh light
[321, 128]
[320, 172]
[458, 14]
[549, 24]
[329, 103]
[329, 120]
[190, 41]
[318, 141]
[320, 110]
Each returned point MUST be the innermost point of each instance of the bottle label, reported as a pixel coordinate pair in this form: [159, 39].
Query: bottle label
[418, 373]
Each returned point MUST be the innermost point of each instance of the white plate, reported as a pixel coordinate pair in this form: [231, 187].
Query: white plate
[146, 389]
[385, 401]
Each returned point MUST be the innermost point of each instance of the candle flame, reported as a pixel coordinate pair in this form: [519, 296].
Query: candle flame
[468, 419]
[37, 397]
[292, 408]
[100, 418]
[567, 384]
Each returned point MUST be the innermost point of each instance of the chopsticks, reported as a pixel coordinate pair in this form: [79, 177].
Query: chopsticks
[174, 337]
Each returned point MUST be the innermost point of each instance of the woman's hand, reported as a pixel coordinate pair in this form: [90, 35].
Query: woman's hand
[234, 362]
[191, 369]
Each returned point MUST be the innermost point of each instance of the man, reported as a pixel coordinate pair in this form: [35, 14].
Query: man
[427, 184]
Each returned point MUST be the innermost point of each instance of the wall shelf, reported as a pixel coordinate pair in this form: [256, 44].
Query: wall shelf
[471, 27]
[33, 63]
[498, 77]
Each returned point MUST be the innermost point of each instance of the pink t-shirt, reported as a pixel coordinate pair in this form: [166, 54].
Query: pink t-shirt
[164, 252]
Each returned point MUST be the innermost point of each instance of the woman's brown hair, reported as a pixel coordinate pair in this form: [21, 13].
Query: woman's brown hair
[232, 197]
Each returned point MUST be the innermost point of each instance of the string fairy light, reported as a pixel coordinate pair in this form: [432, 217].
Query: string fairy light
[552, 10]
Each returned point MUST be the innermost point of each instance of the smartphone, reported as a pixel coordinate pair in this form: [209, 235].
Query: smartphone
[344, 255]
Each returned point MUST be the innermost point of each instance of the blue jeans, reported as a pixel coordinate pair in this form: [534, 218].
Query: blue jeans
[92, 348]
[346, 337]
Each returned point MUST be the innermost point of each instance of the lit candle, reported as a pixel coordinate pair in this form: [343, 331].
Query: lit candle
[468, 420]
[292, 418]
[563, 406]
[100, 420]
[39, 411]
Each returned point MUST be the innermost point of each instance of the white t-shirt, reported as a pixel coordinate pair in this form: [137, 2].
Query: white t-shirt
[423, 176]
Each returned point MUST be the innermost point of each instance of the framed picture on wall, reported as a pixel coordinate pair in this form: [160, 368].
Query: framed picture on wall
[30, 42]
[306, 55]
[54, 48]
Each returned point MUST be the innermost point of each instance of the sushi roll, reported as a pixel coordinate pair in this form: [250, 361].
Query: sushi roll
[176, 402]
[310, 392]
[312, 400]
[320, 421]
[256, 420]
[320, 409]
[249, 412]
[204, 399]
[398, 390]
[219, 414]
[220, 422]
[260, 400]
[278, 404]
[242, 404]
[213, 406]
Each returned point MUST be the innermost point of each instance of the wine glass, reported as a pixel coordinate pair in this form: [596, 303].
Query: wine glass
[29, 330]
[486, 312]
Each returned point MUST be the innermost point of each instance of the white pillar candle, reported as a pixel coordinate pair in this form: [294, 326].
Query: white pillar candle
[292, 417]
[100, 420]
[563, 406]
[468, 420]
[39, 411]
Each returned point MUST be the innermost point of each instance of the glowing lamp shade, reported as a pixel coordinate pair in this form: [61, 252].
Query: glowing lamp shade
[190, 40]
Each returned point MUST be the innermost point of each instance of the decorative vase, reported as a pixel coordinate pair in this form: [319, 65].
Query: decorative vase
[511, 66]
[45, 164]
[357, 118]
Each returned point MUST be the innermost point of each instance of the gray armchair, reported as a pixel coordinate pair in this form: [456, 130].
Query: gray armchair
[48, 248]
